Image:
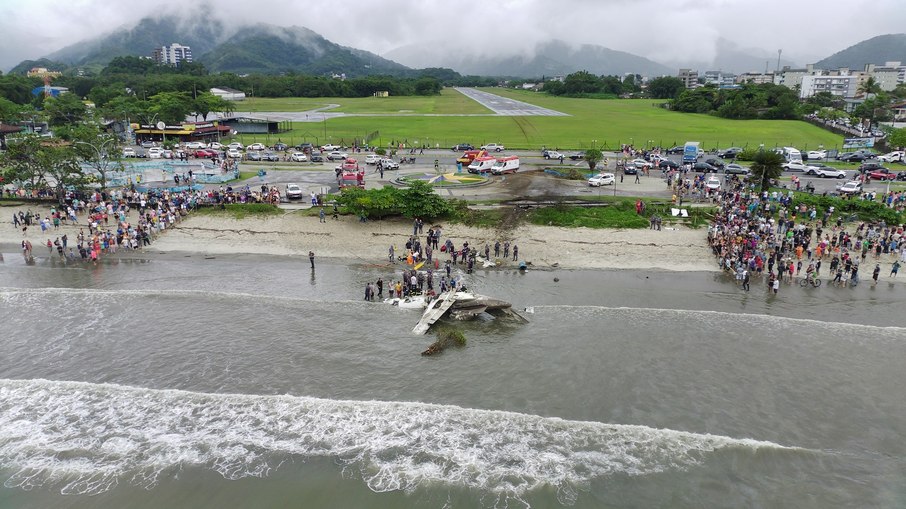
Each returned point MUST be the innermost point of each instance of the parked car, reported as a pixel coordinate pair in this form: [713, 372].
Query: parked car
[155, 153]
[204, 153]
[389, 164]
[851, 157]
[865, 167]
[630, 169]
[293, 192]
[813, 168]
[577, 156]
[851, 187]
[901, 176]
[729, 153]
[796, 166]
[667, 164]
[234, 153]
[194, 145]
[148, 144]
[892, 157]
[553, 154]
[337, 156]
[462, 147]
[372, 159]
[253, 155]
[828, 172]
[256, 146]
[640, 163]
[330, 147]
[280, 146]
[214, 145]
[713, 183]
[602, 179]
[704, 168]
[493, 147]
[298, 157]
[316, 158]
[270, 156]
[675, 150]
[128, 152]
[816, 154]
[882, 174]
[735, 169]
[235, 145]
[717, 163]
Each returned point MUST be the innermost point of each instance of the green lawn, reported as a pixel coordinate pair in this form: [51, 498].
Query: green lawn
[609, 122]
[448, 102]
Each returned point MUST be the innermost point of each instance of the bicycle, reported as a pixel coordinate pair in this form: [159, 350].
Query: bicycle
[811, 280]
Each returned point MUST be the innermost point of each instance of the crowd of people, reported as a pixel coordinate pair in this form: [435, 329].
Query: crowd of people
[771, 236]
[437, 276]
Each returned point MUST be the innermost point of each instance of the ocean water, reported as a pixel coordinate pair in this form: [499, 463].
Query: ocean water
[254, 382]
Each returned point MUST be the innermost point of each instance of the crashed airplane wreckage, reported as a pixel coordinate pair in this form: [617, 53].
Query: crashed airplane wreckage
[459, 305]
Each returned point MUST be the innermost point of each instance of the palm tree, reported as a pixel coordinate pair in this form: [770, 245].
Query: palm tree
[767, 165]
[869, 86]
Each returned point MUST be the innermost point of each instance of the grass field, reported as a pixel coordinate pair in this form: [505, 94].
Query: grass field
[606, 123]
[449, 101]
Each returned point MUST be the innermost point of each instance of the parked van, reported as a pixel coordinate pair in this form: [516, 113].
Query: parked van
[505, 165]
[791, 154]
[691, 152]
[469, 155]
[482, 164]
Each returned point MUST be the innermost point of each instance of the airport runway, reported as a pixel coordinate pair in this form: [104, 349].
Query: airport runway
[505, 106]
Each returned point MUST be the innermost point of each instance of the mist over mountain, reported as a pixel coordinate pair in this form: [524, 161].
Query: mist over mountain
[549, 58]
[877, 50]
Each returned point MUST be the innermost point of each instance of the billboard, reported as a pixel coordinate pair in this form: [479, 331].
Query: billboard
[858, 142]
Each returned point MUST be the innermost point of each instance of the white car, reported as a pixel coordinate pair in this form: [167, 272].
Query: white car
[640, 163]
[851, 187]
[155, 152]
[128, 152]
[194, 145]
[337, 156]
[330, 147]
[215, 145]
[602, 179]
[713, 183]
[817, 154]
[234, 153]
[293, 192]
[798, 166]
[892, 157]
[828, 172]
[389, 164]
[256, 146]
[372, 159]
[493, 147]
[235, 145]
[553, 154]
[298, 157]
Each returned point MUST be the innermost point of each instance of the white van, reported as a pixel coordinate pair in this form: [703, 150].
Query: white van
[482, 164]
[372, 159]
[505, 165]
[791, 154]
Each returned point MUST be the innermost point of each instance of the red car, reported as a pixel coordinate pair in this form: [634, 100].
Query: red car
[882, 174]
[205, 153]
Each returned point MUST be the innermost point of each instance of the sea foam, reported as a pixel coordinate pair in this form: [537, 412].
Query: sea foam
[85, 438]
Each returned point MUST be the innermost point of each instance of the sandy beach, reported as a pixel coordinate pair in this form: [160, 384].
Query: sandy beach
[292, 234]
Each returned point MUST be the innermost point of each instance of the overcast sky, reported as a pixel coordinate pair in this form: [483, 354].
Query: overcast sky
[667, 31]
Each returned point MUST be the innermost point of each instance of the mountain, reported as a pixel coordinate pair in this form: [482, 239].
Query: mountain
[266, 48]
[26, 65]
[730, 57]
[877, 50]
[548, 58]
[259, 48]
[141, 39]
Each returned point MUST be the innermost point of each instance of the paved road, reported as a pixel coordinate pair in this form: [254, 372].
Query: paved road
[507, 107]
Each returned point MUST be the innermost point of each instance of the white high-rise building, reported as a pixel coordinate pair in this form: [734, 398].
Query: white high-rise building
[173, 54]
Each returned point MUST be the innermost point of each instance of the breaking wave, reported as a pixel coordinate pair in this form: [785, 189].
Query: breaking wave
[84, 438]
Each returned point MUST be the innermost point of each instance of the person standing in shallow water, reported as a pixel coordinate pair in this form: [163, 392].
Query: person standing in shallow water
[311, 258]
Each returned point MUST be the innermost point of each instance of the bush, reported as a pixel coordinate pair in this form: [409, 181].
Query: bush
[446, 337]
